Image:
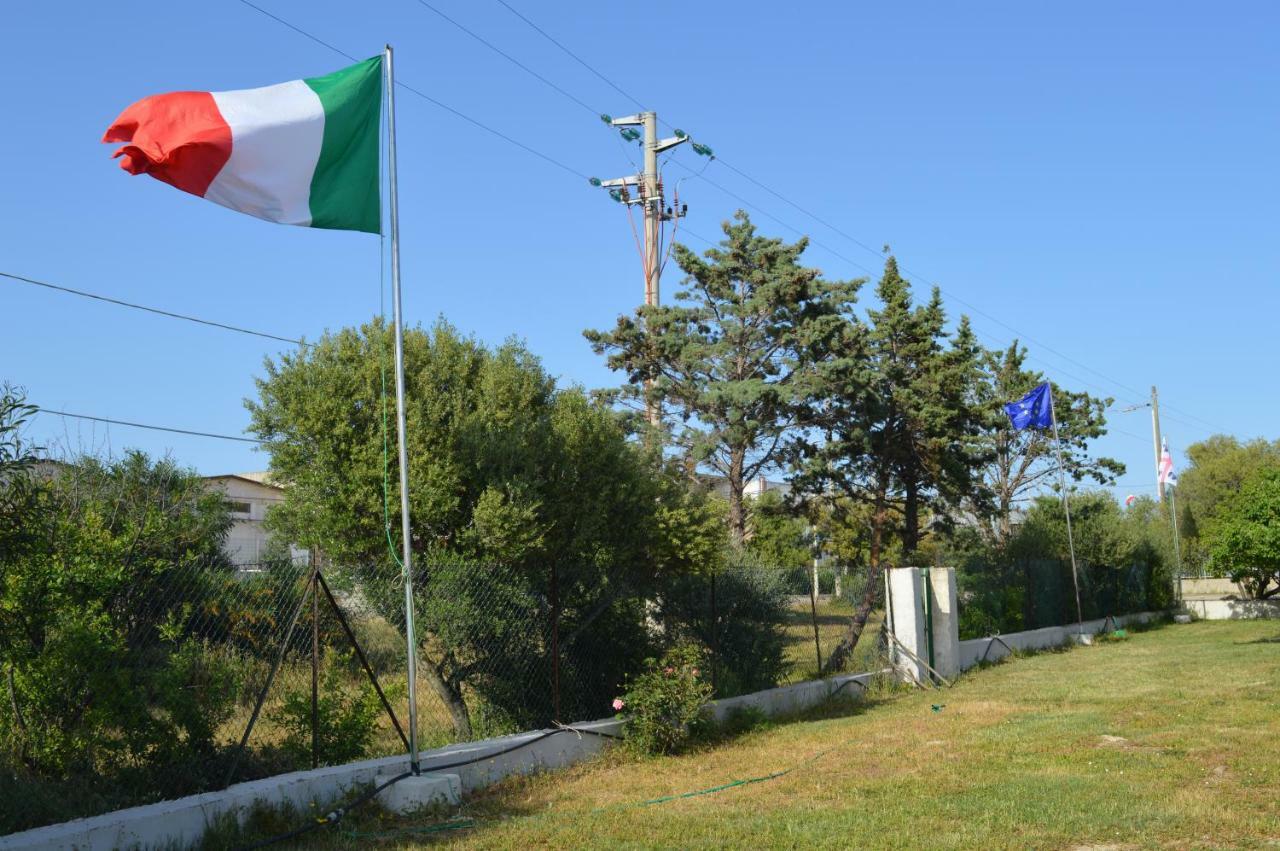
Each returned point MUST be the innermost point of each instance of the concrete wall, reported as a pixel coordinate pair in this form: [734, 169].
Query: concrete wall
[786, 700]
[911, 622]
[1210, 589]
[180, 823]
[1223, 610]
[976, 650]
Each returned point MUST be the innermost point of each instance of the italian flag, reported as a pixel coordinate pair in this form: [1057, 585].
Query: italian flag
[299, 153]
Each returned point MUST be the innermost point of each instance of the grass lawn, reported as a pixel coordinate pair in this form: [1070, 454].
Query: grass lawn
[1169, 739]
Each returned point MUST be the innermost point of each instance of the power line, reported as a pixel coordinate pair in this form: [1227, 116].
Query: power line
[822, 221]
[510, 58]
[148, 426]
[411, 90]
[573, 55]
[156, 310]
[974, 308]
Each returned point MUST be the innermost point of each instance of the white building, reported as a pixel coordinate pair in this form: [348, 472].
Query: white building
[249, 495]
[752, 489]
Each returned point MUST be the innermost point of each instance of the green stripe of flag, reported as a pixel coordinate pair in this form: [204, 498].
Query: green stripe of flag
[345, 186]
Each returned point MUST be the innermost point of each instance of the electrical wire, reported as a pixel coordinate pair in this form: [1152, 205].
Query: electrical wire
[149, 426]
[511, 59]
[418, 92]
[840, 231]
[572, 55]
[186, 317]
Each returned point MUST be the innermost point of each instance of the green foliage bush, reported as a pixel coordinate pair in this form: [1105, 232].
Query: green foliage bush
[346, 717]
[526, 499]
[1244, 536]
[662, 703]
[113, 566]
[747, 633]
[1124, 559]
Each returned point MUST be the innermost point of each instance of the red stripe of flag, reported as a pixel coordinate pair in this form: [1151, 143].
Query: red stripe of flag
[179, 137]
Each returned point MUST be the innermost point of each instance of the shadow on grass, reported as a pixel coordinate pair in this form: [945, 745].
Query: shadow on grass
[1275, 639]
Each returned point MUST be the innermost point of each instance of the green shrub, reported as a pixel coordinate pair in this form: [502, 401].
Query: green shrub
[747, 632]
[346, 715]
[662, 703]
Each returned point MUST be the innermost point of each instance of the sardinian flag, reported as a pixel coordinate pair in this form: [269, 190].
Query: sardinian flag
[1167, 477]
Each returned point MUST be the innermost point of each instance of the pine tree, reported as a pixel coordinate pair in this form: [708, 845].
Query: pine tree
[897, 427]
[735, 358]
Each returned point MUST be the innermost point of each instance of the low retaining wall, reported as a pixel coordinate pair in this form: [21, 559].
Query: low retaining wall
[181, 822]
[786, 700]
[1210, 588]
[977, 650]
[1228, 610]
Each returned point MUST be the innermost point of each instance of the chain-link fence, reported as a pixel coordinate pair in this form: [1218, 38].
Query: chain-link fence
[1031, 593]
[190, 674]
[139, 662]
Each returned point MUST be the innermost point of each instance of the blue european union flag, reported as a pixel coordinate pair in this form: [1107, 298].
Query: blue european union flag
[1032, 410]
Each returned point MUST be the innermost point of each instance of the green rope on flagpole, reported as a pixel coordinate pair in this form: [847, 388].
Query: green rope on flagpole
[382, 368]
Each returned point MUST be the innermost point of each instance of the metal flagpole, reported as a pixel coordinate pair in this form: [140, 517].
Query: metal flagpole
[407, 551]
[1177, 547]
[1066, 505]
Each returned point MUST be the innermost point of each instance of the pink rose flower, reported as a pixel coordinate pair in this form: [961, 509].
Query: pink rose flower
[618, 704]
[695, 672]
[668, 670]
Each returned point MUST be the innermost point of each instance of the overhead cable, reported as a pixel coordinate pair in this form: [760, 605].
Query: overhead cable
[98, 297]
[148, 426]
[411, 90]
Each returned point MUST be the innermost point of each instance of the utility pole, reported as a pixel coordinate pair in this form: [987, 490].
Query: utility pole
[1155, 430]
[649, 196]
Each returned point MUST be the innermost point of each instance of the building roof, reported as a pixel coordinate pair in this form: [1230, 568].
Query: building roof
[262, 477]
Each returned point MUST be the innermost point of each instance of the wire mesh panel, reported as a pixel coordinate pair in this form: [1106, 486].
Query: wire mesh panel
[142, 663]
[1032, 593]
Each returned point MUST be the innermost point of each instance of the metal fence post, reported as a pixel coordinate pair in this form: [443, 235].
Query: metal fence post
[315, 662]
[555, 645]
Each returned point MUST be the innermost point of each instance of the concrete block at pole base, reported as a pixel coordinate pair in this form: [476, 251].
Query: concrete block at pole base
[1182, 617]
[419, 792]
[916, 604]
[946, 621]
[907, 614]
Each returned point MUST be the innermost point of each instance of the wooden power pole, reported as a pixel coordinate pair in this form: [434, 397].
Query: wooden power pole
[649, 195]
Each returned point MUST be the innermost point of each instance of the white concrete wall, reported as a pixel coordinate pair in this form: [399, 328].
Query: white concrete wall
[247, 540]
[786, 700]
[906, 613]
[976, 650]
[1224, 610]
[911, 623]
[946, 621]
[1211, 588]
[180, 823]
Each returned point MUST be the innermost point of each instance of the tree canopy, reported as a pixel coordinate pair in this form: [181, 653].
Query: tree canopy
[1244, 536]
[1016, 464]
[735, 356]
[524, 498]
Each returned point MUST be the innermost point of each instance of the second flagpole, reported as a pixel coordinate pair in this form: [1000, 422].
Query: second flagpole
[1066, 505]
[402, 445]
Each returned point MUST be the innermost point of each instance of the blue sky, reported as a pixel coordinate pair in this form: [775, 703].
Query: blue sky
[1100, 177]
